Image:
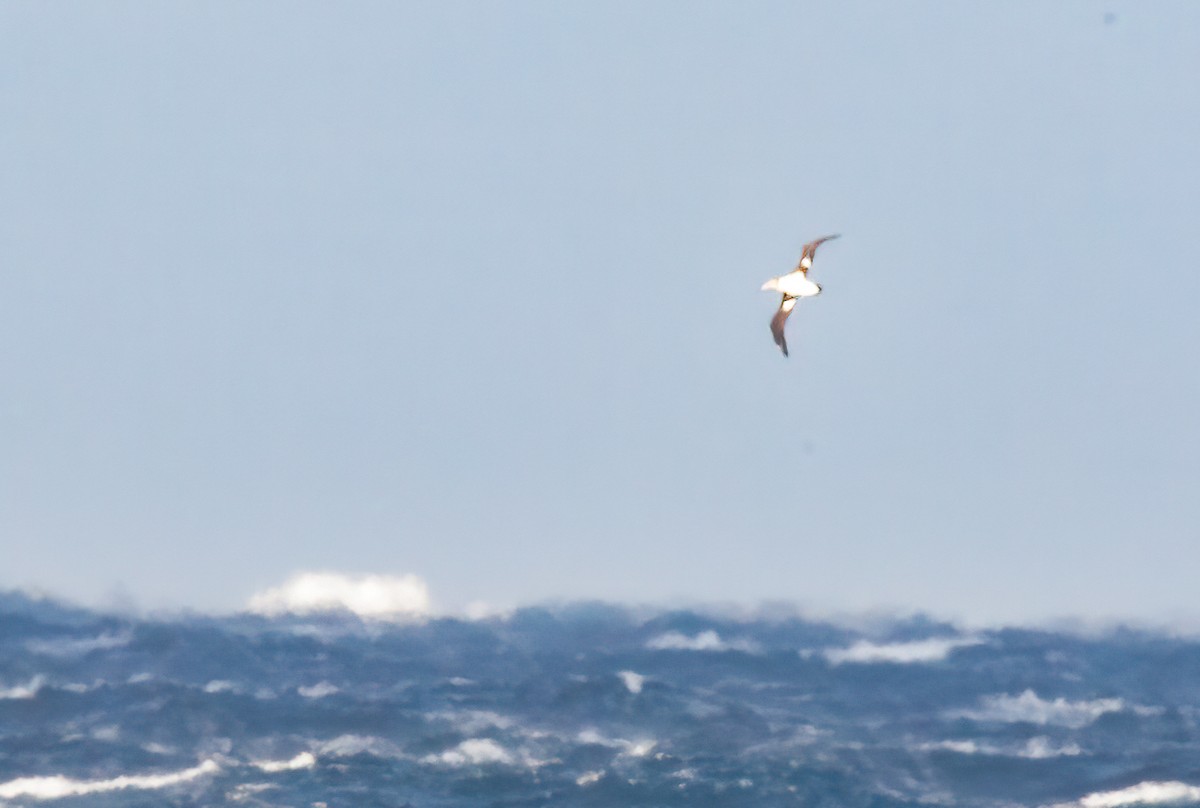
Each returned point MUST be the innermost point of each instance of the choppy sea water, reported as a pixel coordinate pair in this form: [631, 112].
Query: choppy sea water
[587, 705]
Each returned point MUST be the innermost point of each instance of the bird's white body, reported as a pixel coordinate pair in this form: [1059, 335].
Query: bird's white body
[793, 284]
[792, 287]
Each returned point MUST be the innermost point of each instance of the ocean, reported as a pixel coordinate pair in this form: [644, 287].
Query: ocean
[587, 705]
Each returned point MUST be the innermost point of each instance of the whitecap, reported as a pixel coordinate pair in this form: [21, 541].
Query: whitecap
[633, 681]
[477, 751]
[484, 752]
[304, 760]
[73, 646]
[108, 733]
[246, 791]
[471, 722]
[1030, 708]
[703, 641]
[350, 745]
[318, 691]
[1149, 792]
[378, 597]
[1039, 748]
[58, 786]
[628, 748]
[934, 649]
[959, 747]
[588, 778]
[25, 691]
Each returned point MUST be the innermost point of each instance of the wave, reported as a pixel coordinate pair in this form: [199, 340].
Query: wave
[477, 751]
[633, 749]
[374, 597]
[633, 681]
[589, 778]
[77, 647]
[1030, 708]
[931, 650]
[1037, 748]
[58, 786]
[473, 721]
[350, 745]
[25, 691]
[1149, 792]
[484, 752]
[304, 760]
[318, 691]
[703, 641]
[591, 704]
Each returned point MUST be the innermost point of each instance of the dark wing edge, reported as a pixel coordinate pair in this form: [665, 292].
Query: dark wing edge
[778, 322]
[810, 249]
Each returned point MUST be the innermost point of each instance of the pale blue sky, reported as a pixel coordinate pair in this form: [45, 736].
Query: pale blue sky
[470, 291]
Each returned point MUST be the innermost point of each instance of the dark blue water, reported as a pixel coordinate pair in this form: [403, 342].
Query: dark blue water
[586, 705]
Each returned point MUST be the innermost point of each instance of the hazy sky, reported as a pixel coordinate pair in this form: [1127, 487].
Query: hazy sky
[470, 291]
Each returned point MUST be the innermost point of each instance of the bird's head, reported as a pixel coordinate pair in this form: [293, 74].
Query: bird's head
[771, 285]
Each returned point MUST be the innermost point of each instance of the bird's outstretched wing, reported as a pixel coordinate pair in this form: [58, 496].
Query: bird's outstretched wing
[810, 250]
[780, 319]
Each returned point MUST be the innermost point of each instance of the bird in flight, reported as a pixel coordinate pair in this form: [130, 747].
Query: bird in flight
[794, 286]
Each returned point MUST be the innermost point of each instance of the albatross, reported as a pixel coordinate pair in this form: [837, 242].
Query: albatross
[794, 286]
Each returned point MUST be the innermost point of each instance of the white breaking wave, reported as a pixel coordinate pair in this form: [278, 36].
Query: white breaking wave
[1029, 707]
[1038, 748]
[318, 691]
[246, 791]
[350, 745]
[304, 760]
[961, 747]
[377, 597]
[1150, 792]
[628, 748]
[476, 751]
[70, 646]
[932, 650]
[472, 721]
[633, 681]
[25, 691]
[704, 641]
[110, 733]
[57, 787]
[484, 752]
